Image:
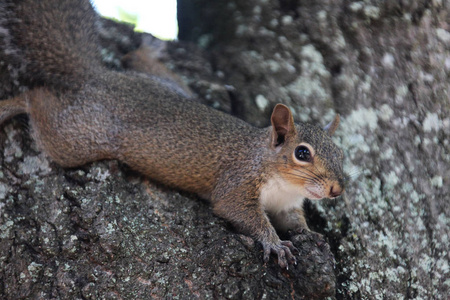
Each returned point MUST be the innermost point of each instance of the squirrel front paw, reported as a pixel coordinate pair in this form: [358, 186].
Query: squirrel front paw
[283, 250]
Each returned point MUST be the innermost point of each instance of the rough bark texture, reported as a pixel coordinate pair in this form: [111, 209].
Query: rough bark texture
[384, 66]
[103, 232]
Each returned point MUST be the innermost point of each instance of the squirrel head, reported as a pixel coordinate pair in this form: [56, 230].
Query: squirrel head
[306, 156]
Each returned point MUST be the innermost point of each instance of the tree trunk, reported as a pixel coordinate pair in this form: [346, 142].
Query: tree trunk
[384, 66]
[104, 232]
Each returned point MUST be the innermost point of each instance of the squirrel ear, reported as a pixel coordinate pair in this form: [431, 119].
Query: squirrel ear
[333, 125]
[282, 124]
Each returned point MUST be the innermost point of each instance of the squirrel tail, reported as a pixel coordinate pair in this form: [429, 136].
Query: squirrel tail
[55, 39]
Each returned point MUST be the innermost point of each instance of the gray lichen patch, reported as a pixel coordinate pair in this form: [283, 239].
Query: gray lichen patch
[12, 148]
[432, 122]
[33, 165]
[4, 189]
[402, 247]
[313, 72]
[383, 66]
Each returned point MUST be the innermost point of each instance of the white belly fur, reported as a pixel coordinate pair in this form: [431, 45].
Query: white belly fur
[279, 195]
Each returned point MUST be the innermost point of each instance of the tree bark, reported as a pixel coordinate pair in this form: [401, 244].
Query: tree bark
[384, 66]
[104, 232]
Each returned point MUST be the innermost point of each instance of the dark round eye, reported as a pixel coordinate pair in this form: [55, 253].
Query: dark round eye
[302, 153]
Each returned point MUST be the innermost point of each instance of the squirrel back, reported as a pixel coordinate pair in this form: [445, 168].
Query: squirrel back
[56, 39]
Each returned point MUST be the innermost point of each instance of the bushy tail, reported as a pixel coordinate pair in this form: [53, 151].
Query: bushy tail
[56, 39]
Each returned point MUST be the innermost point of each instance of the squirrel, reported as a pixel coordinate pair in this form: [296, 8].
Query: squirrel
[81, 112]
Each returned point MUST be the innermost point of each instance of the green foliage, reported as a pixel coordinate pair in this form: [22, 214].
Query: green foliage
[127, 17]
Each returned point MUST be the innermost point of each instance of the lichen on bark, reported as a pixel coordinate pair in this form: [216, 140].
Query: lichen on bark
[104, 232]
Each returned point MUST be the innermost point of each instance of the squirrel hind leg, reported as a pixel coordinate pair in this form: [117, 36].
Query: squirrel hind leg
[11, 108]
[146, 59]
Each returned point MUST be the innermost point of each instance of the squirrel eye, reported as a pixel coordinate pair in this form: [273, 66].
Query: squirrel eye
[302, 153]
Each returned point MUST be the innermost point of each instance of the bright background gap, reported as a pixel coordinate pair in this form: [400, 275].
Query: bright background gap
[158, 17]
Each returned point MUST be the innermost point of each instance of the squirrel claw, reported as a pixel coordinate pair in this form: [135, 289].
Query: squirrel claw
[283, 250]
[291, 247]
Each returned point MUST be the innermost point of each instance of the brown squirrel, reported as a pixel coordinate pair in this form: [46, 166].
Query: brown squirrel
[81, 112]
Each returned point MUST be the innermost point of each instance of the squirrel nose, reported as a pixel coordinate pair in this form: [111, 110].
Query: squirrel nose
[335, 191]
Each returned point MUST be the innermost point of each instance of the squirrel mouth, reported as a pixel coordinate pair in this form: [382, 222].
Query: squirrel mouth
[314, 194]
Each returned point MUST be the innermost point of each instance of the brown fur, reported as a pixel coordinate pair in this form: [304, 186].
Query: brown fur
[12, 107]
[86, 113]
[145, 60]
